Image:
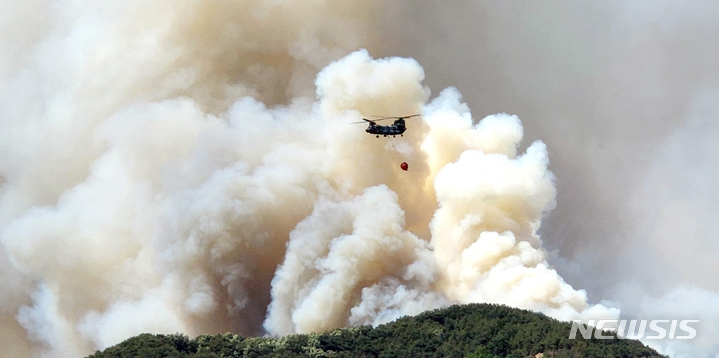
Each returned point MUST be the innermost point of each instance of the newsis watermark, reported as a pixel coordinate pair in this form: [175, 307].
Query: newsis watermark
[635, 329]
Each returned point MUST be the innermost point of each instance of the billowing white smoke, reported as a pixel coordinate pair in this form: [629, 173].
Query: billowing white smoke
[150, 183]
[624, 94]
[352, 261]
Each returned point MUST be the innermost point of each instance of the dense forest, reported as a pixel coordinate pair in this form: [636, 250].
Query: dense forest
[476, 331]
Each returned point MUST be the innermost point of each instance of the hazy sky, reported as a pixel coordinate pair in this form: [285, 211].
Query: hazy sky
[625, 96]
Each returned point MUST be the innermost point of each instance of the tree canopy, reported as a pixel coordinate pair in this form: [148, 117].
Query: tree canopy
[472, 331]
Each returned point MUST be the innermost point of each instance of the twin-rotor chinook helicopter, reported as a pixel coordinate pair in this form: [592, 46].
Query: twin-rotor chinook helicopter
[394, 129]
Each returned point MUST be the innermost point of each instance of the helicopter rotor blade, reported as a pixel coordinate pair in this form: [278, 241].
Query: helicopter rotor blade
[365, 120]
[382, 118]
[396, 117]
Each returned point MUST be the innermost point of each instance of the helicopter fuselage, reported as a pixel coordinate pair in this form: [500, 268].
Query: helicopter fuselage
[396, 128]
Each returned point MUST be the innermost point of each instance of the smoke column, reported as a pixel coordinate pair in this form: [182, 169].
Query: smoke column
[624, 94]
[189, 167]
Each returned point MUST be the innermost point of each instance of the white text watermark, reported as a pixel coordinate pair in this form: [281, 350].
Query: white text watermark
[635, 329]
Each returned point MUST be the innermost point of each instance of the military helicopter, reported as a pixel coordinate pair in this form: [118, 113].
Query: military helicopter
[394, 129]
[398, 127]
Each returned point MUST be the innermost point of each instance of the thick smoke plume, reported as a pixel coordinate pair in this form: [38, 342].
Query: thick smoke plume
[189, 167]
[624, 94]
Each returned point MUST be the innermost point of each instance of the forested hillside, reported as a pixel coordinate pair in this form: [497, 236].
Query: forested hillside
[476, 331]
